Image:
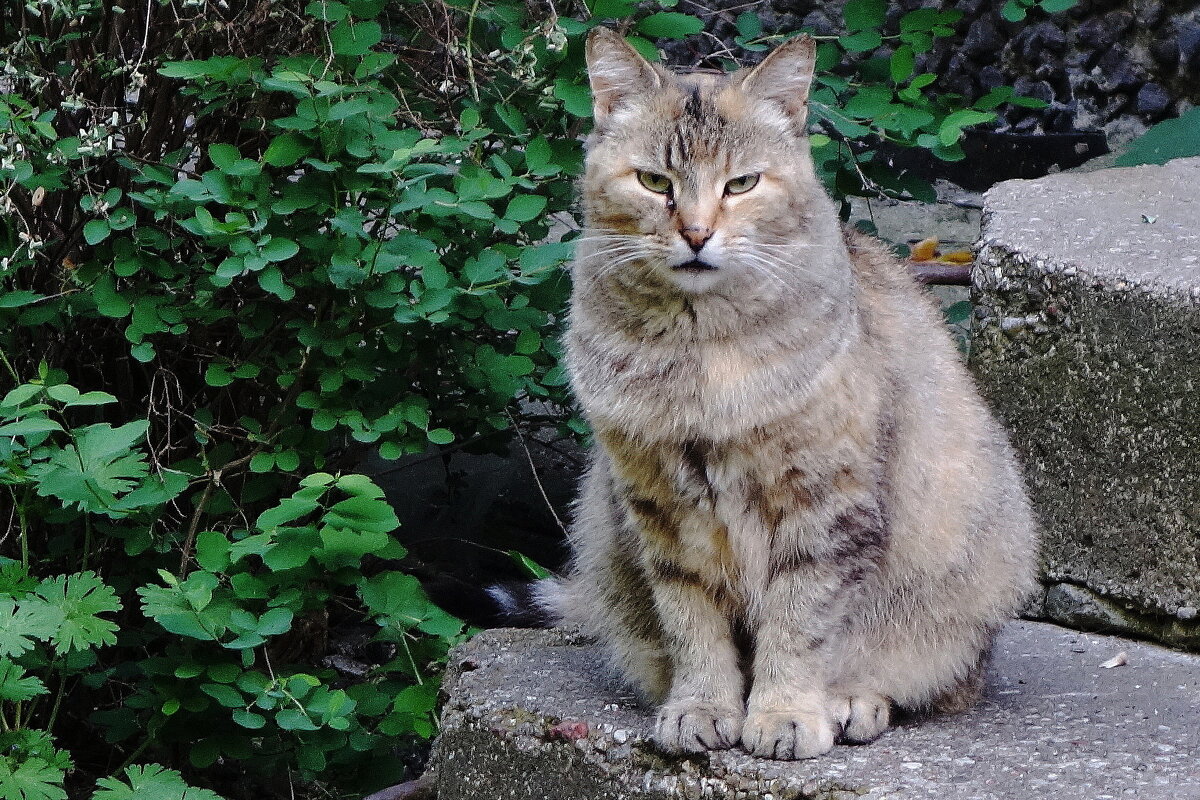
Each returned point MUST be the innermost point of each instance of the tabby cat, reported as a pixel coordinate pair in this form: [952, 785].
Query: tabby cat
[799, 515]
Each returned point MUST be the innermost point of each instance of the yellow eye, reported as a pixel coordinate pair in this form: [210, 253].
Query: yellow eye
[741, 185]
[659, 184]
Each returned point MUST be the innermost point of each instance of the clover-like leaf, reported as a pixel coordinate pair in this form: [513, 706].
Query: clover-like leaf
[30, 779]
[150, 782]
[24, 622]
[81, 598]
[15, 685]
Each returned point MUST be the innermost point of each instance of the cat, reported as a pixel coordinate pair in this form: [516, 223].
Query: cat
[799, 515]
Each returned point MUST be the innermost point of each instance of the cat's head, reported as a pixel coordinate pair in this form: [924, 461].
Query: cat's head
[702, 182]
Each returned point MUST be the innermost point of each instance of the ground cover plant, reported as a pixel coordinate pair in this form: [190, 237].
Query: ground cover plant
[241, 246]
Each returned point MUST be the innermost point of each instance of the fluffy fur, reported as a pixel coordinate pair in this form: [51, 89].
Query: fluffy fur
[799, 513]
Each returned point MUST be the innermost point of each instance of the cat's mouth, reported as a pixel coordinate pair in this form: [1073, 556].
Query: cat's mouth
[694, 266]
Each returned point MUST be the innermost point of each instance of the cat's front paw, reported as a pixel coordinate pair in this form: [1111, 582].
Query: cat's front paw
[787, 735]
[696, 727]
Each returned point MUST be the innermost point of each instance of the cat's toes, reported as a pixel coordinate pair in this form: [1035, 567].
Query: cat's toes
[787, 735]
[696, 727]
[865, 717]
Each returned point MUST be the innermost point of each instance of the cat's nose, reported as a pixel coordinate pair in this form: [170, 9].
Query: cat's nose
[696, 236]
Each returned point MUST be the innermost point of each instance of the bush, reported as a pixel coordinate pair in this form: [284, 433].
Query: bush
[245, 245]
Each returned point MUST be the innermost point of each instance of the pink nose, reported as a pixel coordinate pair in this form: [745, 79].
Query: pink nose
[696, 236]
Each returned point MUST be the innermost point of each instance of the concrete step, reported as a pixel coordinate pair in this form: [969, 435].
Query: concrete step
[1087, 294]
[533, 715]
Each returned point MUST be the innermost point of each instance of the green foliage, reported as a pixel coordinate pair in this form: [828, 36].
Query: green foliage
[245, 247]
[1017, 10]
[1171, 138]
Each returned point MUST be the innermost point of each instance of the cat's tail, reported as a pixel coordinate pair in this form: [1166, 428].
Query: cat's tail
[511, 604]
[535, 604]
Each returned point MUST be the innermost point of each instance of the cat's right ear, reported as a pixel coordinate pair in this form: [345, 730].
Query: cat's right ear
[617, 73]
[785, 77]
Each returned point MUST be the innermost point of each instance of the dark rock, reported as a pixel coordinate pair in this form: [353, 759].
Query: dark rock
[1028, 125]
[821, 24]
[982, 39]
[1118, 71]
[1165, 50]
[990, 77]
[1152, 99]
[1033, 42]
[1100, 33]
[1030, 88]
[1148, 13]
[1189, 44]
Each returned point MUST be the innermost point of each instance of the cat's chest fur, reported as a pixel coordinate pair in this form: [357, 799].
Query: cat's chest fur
[678, 390]
[724, 466]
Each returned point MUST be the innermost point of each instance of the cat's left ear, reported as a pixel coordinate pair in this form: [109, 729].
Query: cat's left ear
[785, 78]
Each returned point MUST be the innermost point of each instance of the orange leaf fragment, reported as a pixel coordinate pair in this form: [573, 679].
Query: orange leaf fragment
[924, 250]
[957, 257]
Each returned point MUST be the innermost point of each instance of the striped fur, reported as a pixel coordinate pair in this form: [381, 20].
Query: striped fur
[799, 514]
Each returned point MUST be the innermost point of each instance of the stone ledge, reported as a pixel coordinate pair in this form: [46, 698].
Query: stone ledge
[532, 715]
[1087, 325]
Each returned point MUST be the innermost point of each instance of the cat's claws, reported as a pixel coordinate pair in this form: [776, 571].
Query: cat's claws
[786, 735]
[865, 716]
[696, 727]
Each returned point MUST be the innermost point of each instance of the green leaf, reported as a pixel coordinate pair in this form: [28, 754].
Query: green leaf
[279, 249]
[23, 623]
[82, 598]
[30, 779]
[291, 719]
[531, 568]
[248, 719]
[104, 466]
[1172, 138]
[108, 302]
[149, 782]
[96, 231]
[863, 14]
[271, 280]
[16, 686]
[18, 297]
[525, 207]
[902, 63]
[576, 98]
[861, 42]
[1013, 11]
[440, 436]
[286, 149]
[950, 131]
[30, 427]
[670, 25]
[354, 38]
[22, 394]
[363, 514]
[1055, 6]
[223, 694]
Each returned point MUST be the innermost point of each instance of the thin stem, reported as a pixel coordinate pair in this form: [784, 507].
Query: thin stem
[469, 52]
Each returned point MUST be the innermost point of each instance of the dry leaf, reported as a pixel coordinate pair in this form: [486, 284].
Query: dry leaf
[957, 257]
[924, 250]
[1119, 660]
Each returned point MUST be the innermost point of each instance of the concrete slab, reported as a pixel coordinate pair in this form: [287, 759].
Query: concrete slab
[531, 715]
[1087, 329]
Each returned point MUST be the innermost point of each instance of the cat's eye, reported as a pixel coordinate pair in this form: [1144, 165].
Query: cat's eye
[659, 184]
[741, 185]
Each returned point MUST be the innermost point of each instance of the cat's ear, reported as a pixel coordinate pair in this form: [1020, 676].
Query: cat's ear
[785, 77]
[617, 72]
